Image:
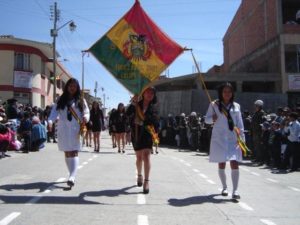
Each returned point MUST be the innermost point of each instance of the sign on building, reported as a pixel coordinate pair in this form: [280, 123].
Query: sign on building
[22, 79]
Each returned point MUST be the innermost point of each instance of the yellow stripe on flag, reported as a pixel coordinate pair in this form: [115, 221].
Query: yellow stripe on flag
[149, 67]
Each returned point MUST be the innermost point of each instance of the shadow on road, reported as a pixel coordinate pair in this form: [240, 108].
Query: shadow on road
[197, 200]
[80, 199]
[41, 186]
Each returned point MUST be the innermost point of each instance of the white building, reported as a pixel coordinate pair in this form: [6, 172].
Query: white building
[26, 71]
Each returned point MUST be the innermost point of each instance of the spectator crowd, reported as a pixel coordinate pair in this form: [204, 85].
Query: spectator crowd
[272, 137]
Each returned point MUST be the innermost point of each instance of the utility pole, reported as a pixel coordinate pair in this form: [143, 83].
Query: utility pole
[104, 100]
[95, 90]
[55, 14]
[54, 35]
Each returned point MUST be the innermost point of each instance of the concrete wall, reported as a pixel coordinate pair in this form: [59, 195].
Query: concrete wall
[176, 102]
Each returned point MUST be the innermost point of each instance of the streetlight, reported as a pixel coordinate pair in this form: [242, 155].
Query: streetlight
[54, 33]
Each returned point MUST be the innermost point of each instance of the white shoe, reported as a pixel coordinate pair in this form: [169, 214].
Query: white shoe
[224, 192]
[235, 195]
[71, 182]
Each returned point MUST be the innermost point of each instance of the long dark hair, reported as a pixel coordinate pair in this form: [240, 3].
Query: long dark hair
[220, 106]
[154, 100]
[64, 98]
[220, 93]
[97, 110]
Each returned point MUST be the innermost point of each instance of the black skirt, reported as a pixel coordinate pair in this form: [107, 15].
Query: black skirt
[142, 139]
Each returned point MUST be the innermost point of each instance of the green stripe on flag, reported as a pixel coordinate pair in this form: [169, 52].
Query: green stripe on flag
[118, 65]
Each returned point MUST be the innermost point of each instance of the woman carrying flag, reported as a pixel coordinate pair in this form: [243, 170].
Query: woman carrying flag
[227, 136]
[72, 113]
[144, 125]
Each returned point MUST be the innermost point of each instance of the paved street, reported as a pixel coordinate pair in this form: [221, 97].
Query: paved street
[184, 190]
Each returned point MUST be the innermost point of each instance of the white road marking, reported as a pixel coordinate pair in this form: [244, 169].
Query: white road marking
[210, 181]
[255, 174]
[181, 160]
[245, 169]
[294, 189]
[187, 164]
[142, 220]
[62, 179]
[141, 200]
[267, 222]
[84, 163]
[202, 175]
[79, 167]
[95, 156]
[272, 180]
[48, 190]
[9, 218]
[90, 159]
[34, 200]
[196, 171]
[245, 206]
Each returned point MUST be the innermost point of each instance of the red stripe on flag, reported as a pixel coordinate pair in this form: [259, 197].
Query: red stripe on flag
[164, 47]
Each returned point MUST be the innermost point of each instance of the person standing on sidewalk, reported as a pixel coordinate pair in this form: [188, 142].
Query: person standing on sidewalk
[70, 111]
[256, 131]
[144, 127]
[225, 114]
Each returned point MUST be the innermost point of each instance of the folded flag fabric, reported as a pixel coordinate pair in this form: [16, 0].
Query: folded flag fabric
[135, 51]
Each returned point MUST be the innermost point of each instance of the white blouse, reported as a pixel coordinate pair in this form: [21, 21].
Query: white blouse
[68, 131]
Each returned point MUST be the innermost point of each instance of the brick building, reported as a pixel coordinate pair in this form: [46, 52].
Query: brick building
[264, 38]
[261, 60]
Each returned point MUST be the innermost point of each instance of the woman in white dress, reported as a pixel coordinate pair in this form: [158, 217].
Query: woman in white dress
[68, 127]
[224, 145]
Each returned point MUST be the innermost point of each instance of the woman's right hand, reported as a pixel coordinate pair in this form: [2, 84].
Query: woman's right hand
[134, 99]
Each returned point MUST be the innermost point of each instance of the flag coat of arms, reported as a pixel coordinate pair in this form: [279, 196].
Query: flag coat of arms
[135, 51]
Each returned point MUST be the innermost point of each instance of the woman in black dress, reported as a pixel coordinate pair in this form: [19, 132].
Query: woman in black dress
[97, 122]
[120, 126]
[144, 126]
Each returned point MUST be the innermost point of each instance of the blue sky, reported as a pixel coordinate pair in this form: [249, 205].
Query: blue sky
[197, 24]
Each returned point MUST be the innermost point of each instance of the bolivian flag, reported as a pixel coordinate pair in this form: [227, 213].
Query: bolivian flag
[135, 51]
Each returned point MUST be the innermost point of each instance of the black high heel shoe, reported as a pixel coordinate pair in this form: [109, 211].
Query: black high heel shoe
[146, 187]
[139, 181]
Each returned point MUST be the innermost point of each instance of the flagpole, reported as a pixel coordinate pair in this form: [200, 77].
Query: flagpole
[200, 76]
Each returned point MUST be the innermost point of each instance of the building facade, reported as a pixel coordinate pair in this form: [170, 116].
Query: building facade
[261, 60]
[264, 38]
[26, 72]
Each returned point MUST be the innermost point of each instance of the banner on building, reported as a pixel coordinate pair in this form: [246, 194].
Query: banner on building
[135, 50]
[22, 79]
[294, 82]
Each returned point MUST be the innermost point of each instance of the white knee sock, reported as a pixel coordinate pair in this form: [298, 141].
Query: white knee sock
[235, 179]
[72, 164]
[222, 176]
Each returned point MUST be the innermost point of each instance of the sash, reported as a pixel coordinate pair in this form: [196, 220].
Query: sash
[82, 125]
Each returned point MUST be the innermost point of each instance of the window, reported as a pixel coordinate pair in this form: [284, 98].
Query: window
[22, 61]
[289, 11]
[43, 68]
[292, 58]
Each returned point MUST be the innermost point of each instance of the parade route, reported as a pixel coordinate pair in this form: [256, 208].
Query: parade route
[184, 189]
